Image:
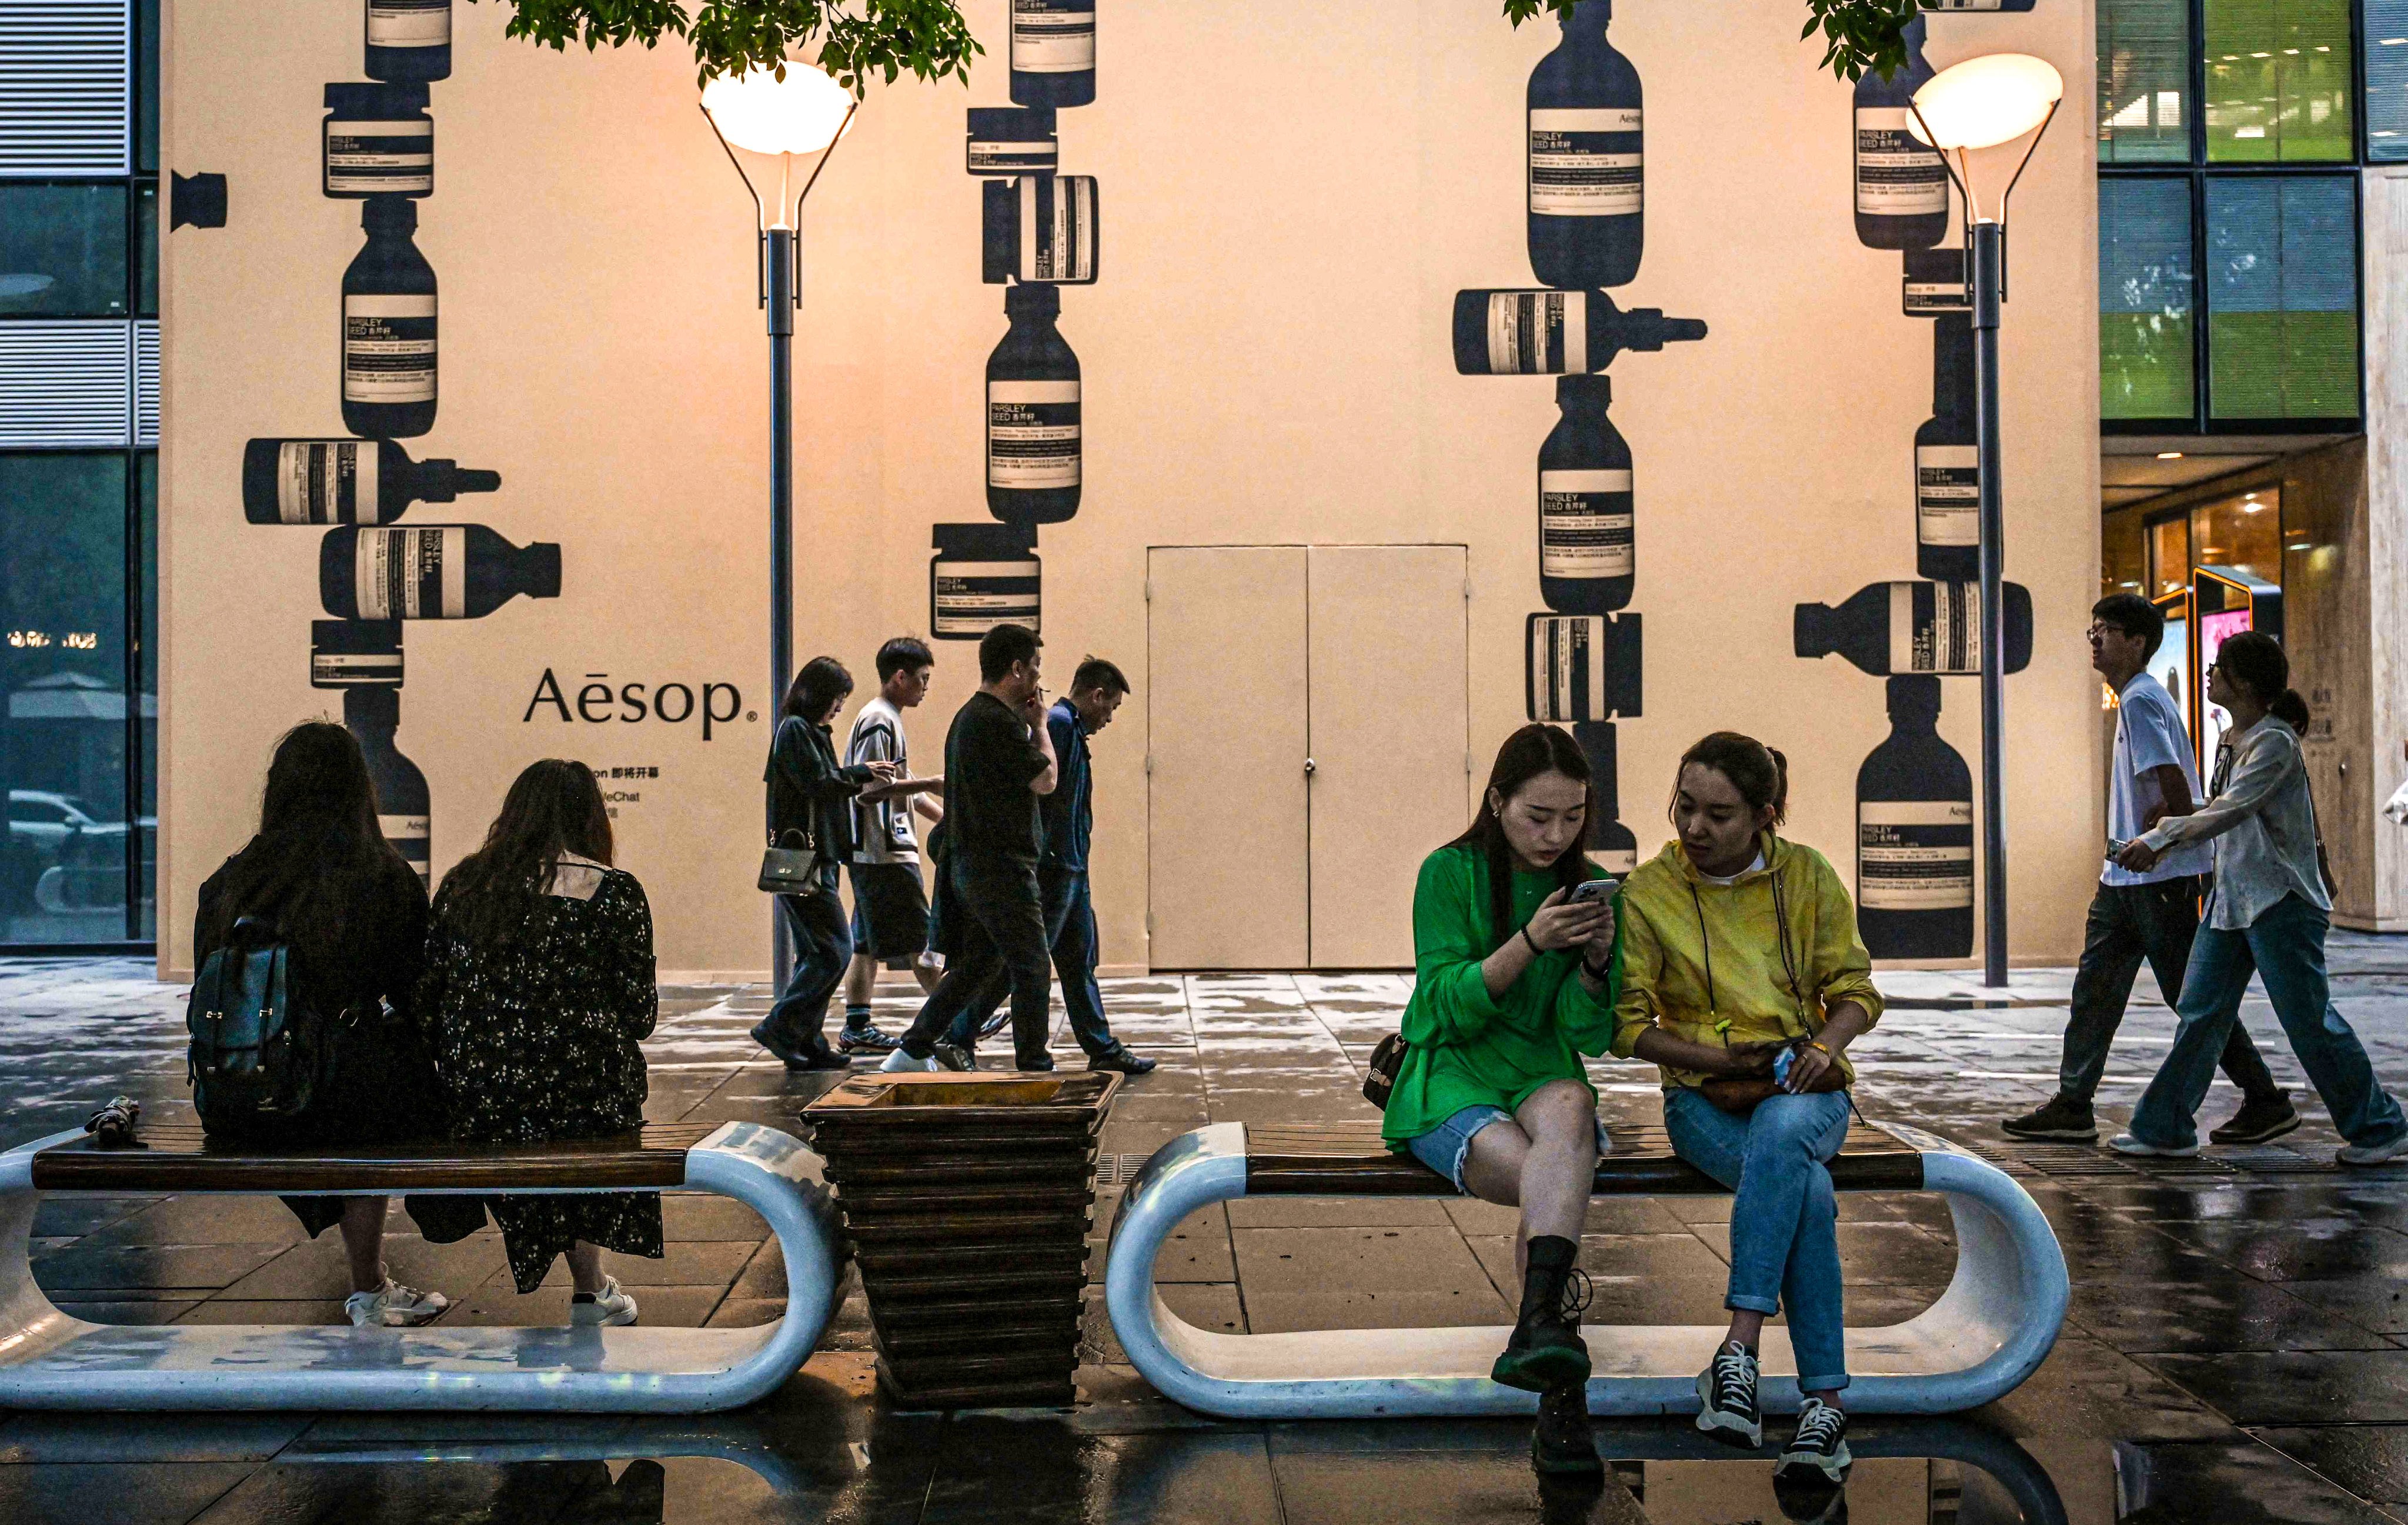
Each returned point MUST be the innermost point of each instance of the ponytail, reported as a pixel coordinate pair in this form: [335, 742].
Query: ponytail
[2255, 659]
[2292, 710]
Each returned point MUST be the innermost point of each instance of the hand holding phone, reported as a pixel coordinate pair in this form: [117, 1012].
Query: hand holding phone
[1589, 891]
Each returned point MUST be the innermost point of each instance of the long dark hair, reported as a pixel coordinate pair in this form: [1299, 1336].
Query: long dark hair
[318, 853]
[1759, 772]
[822, 682]
[2255, 659]
[553, 807]
[1533, 750]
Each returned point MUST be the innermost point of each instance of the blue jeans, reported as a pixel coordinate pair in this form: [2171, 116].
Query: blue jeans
[823, 942]
[2286, 946]
[1070, 933]
[1783, 1239]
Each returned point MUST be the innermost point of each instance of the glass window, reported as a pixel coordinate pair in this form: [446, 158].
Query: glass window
[2386, 78]
[146, 690]
[2282, 298]
[2124, 561]
[2144, 299]
[2279, 81]
[146, 87]
[2242, 534]
[63, 251]
[146, 216]
[2169, 556]
[63, 732]
[2144, 76]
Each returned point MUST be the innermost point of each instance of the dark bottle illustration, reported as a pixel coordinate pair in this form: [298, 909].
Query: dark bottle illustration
[1915, 627]
[409, 39]
[389, 327]
[1977, 5]
[1052, 53]
[1947, 462]
[373, 714]
[377, 141]
[196, 200]
[1585, 549]
[1040, 228]
[1525, 333]
[1588, 176]
[1934, 282]
[1008, 141]
[354, 653]
[1914, 836]
[346, 482]
[982, 575]
[1901, 185]
[1033, 443]
[1582, 666]
[429, 572]
[1611, 845]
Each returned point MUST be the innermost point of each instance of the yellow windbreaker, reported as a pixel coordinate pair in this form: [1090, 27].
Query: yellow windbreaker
[1677, 925]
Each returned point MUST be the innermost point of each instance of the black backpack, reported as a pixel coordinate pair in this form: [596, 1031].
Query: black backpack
[259, 1056]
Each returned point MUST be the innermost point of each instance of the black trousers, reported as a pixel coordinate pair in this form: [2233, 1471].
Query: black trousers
[2130, 923]
[1001, 936]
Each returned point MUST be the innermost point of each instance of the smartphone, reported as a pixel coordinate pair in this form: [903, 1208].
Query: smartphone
[1589, 890]
[2115, 849]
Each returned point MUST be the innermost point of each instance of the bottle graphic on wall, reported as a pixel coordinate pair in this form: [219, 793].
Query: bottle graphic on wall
[346, 482]
[1526, 333]
[1947, 464]
[429, 572]
[1052, 53]
[1585, 548]
[1040, 228]
[373, 714]
[982, 575]
[1901, 185]
[1587, 175]
[1582, 666]
[1033, 445]
[1611, 845]
[354, 653]
[389, 327]
[376, 140]
[1914, 834]
[1006, 140]
[1915, 627]
[409, 39]
[1933, 283]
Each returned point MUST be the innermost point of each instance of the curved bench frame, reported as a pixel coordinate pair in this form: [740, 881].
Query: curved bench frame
[1990, 1330]
[49, 1359]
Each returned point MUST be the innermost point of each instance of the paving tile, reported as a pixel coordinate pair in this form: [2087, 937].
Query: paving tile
[1197, 1250]
[2378, 1306]
[147, 1494]
[2238, 1482]
[75, 1214]
[2332, 1249]
[318, 1268]
[687, 1262]
[1339, 1212]
[205, 1220]
[1412, 1488]
[2293, 1387]
[140, 1311]
[1043, 1468]
[65, 1438]
[225, 1310]
[1363, 1278]
[2369, 1459]
[401, 1492]
[2084, 1391]
[2225, 1311]
[141, 1270]
[709, 1215]
[498, 1306]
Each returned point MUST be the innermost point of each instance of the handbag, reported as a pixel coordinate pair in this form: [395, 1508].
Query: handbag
[791, 870]
[1380, 1076]
[1741, 1095]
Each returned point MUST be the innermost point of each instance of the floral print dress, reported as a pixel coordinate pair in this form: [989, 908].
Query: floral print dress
[537, 1038]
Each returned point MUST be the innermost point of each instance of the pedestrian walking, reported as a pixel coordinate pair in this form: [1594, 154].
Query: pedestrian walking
[2268, 914]
[890, 905]
[2137, 914]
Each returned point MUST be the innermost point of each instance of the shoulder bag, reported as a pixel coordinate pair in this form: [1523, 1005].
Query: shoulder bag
[790, 865]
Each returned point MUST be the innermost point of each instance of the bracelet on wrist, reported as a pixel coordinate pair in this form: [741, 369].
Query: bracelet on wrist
[1532, 941]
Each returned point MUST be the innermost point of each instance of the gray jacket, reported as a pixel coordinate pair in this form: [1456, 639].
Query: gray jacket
[2263, 825]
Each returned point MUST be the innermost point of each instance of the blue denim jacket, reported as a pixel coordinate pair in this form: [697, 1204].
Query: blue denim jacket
[1068, 814]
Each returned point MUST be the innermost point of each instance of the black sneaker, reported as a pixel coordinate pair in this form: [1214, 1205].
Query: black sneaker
[867, 1038]
[2064, 1119]
[2258, 1121]
[1820, 1446]
[1123, 1060]
[1562, 1442]
[1726, 1398]
[954, 1057]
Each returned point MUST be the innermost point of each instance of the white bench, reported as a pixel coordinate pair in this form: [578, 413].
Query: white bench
[1987, 1332]
[50, 1361]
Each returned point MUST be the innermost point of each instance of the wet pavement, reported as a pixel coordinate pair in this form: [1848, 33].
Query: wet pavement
[2237, 1349]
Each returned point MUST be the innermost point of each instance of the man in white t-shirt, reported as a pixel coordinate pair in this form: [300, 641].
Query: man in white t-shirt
[890, 905]
[2152, 914]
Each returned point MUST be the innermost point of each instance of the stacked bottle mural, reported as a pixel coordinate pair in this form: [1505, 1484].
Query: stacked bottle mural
[377, 147]
[1586, 185]
[1915, 793]
[1038, 234]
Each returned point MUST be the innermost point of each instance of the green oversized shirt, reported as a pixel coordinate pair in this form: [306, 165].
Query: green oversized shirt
[1471, 1048]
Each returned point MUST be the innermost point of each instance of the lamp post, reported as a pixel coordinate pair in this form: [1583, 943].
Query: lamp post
[1988, 103]
[765, 124]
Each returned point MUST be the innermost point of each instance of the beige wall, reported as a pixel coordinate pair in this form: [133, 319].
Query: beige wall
[1290, 199]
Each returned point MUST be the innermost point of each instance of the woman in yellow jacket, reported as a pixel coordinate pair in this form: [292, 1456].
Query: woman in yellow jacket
[1738, 949]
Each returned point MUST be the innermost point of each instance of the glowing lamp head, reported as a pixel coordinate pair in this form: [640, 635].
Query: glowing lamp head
[1984, 101]
[760, 113]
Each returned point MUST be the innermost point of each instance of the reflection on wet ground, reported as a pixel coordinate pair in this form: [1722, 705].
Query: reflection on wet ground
[2235, 1350]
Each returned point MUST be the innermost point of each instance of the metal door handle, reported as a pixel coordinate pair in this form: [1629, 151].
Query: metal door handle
[1308, 767]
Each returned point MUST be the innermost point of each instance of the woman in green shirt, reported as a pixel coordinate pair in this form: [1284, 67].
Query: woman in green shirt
[1514, 981]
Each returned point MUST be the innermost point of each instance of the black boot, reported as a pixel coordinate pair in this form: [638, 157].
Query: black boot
[1545, 1350]
[1562, 1442]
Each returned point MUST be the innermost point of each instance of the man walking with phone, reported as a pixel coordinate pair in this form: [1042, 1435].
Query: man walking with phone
[890, 907]
[2152, 914]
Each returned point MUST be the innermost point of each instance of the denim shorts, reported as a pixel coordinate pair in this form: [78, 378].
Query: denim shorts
[1445, 1147]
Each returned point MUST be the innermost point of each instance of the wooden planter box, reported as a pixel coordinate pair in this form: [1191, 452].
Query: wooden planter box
[968, 1198]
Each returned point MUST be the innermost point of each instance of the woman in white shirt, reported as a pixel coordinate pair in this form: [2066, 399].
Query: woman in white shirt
[2268, 914]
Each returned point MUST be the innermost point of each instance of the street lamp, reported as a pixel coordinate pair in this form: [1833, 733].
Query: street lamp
[1988, 103]
[766, 125]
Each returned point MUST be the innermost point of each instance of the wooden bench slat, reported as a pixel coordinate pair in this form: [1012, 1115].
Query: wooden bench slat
[1350, 1158]
[182, 1158]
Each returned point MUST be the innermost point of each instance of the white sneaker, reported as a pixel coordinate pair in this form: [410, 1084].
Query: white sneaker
[394, 1306]
[2127, 1144]
[2371, 1154]
[899, 1060]
[608, 1309]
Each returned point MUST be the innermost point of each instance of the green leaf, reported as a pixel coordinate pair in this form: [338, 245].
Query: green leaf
[851, 39]
[1860, 34]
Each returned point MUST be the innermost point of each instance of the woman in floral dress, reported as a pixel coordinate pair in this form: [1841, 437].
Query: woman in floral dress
[538, 989]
